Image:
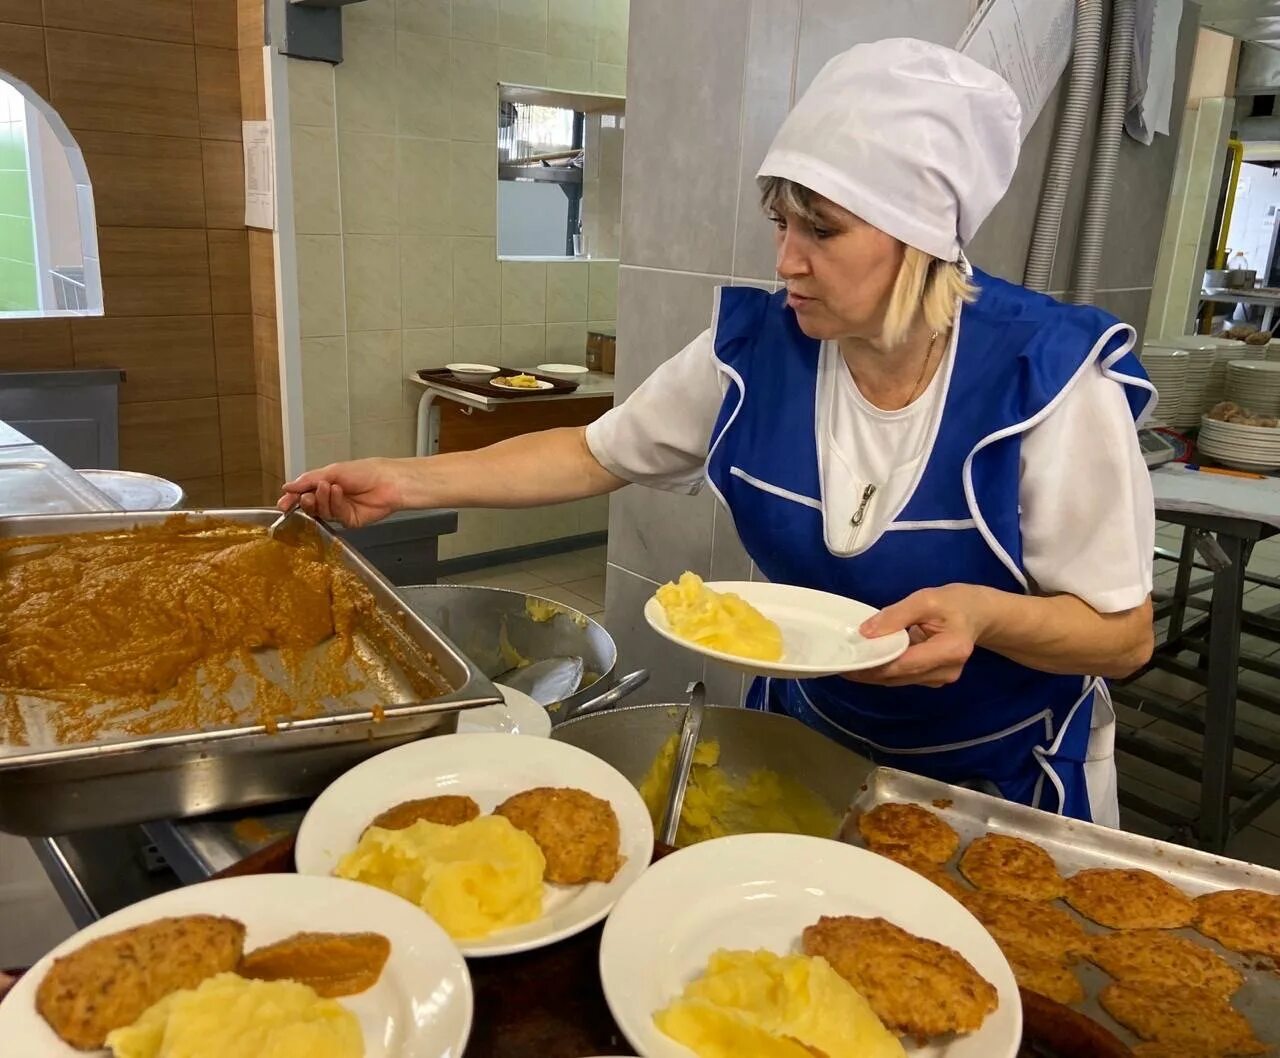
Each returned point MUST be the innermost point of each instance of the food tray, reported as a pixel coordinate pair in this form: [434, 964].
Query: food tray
[445, 377]
[1075, 845]
[48, 788]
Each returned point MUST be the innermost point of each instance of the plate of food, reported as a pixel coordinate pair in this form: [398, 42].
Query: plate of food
[521, 381]
[518, 715]
[765, 629]
[785, 945]
[238, 966]
[508, 843]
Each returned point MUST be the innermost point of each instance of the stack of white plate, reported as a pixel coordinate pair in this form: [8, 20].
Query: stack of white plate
[1273, 350]
[1216, 390]
[1203, 351]
[1255, 385]
[1242, 447]
[1167, 369]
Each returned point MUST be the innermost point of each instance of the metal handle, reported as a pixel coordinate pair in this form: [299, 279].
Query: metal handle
[610, 698]
[689, 731]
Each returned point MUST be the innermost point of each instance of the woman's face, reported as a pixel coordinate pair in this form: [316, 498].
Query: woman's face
[839, 272]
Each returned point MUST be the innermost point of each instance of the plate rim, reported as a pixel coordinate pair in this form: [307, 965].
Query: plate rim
[656, 618]
[501, 742]
[126, 918]
[668, 864]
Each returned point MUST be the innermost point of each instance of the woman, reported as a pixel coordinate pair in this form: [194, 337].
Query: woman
[895, 427]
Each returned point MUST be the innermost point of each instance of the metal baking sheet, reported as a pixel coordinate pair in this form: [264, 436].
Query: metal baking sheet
[1075, 845]
[47, 787]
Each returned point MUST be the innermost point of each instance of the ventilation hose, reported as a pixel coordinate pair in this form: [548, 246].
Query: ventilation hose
[1102, 175]
[1086, 53]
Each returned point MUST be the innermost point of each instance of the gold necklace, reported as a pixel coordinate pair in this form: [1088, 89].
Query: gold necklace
[928, 356]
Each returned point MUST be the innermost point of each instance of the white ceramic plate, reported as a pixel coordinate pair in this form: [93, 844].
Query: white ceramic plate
[761, 891]
[819, 631]
[489, 768]
[520, 389]
[420, 1008]
[520, 715]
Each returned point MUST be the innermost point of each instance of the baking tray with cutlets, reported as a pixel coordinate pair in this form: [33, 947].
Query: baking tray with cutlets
[402, 680]
[1075, 845]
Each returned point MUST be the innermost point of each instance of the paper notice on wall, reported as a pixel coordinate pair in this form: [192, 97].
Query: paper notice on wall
[1027, 42]
[259, 176]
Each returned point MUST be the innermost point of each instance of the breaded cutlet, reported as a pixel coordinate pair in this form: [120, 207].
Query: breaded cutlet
[109, 982]
[1192, 1019]
[449, 810]
[1003, 863]
[917, 987]
[1129, 898]
[577, 832]
[908, 826]
[1243, 920]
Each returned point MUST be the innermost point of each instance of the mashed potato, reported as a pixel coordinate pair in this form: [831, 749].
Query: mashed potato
[229, 1017]
[717, 621]
[715, 804]
[775, 1006]
[473, 879]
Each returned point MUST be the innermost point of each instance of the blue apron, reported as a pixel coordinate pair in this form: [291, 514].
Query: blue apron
[1001, 724]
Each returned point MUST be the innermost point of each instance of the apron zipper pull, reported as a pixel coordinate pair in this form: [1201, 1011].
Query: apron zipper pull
[861, 512]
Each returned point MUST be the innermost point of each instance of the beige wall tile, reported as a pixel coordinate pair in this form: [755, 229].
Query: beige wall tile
[566, 292]
[373, 375]
[315, 180]
[608, 79]
[523, 24]
[423, 91]
[473, 189]
[423, 16]
[324, 385]
[611, 31]
[365, 81]
[473, 77]
[476, 282]
[394, 438]
[569, 75]
[524, 345]
[522, 67]
[424, 172]
[524, 292]
[567, 343]
[311, 93]
[425, 347]
[368, 166]
[326, 448]
[426, 280]
[378, 14]
[320, 286]
[571, 29]
[238, 425]
[372, 265]
[602, 293]
[476, 20]
[477, 345]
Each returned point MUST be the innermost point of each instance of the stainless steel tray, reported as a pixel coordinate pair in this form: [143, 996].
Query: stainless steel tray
[1075, 845]
[48, 788]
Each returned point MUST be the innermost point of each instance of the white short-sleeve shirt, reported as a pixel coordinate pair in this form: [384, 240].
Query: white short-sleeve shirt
[1088, 518]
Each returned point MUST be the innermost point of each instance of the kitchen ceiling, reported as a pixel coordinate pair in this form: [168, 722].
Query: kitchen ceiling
[1255, 20]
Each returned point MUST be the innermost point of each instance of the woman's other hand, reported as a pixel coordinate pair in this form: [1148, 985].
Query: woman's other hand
[356, 493]
[944, 625]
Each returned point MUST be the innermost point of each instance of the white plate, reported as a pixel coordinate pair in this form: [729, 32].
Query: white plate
[820, 634]
[761, 891]
[520, 389]
[420, 1008]
[489, 768]
[521, 715]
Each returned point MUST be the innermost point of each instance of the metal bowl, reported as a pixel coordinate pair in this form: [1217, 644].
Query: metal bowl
[629, 737]
[481, 622]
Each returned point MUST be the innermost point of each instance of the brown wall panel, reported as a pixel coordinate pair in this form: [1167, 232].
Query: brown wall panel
[165, 357]
[177, 439]
[166, 20]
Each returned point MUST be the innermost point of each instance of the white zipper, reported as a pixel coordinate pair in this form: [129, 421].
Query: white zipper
[859, 517]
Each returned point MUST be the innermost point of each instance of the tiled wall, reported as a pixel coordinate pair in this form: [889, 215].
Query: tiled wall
[151, 92]
[708, 85]
[394, 170]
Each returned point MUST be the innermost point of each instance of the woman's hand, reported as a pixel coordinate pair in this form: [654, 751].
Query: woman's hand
[356, 493]
[944, 624]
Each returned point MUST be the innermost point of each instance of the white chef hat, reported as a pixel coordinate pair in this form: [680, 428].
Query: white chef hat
[912, 137]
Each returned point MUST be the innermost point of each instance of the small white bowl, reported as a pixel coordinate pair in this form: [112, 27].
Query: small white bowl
[564, 372]
[473, 372]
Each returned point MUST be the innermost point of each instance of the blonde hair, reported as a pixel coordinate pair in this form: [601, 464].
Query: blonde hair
[926, 286]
